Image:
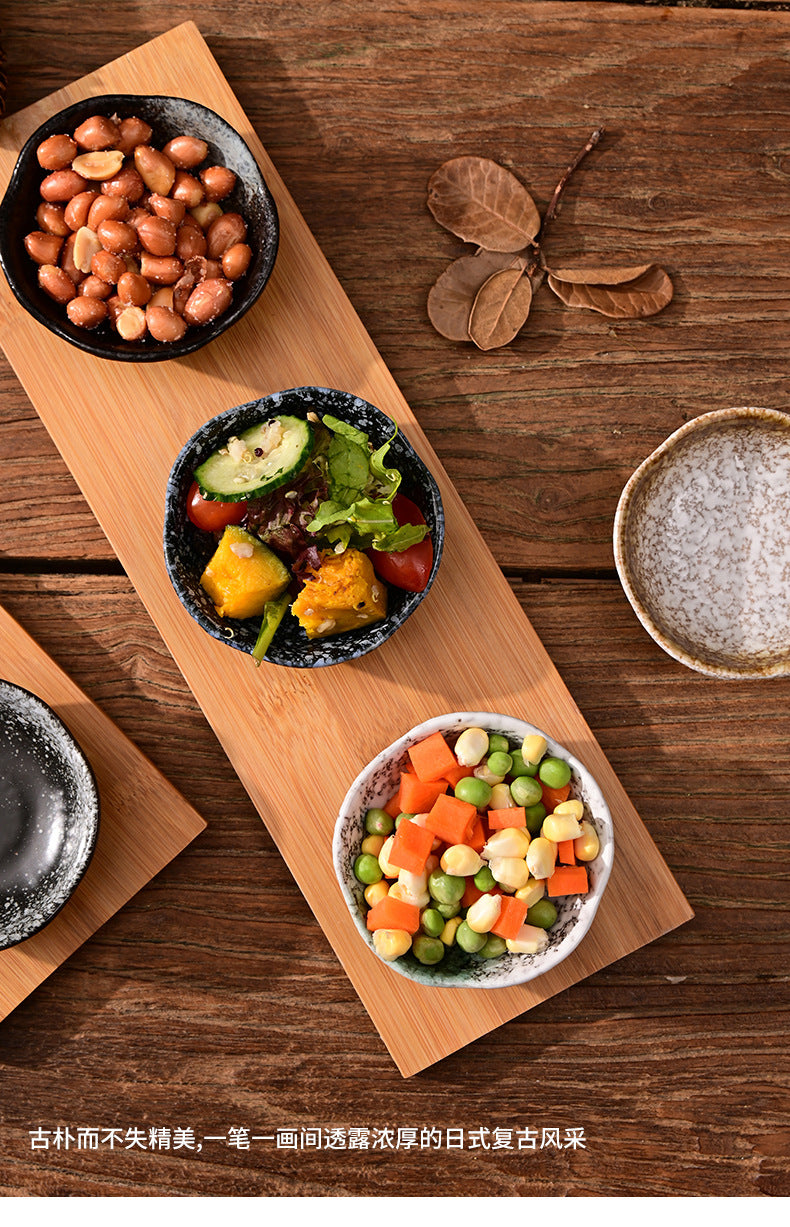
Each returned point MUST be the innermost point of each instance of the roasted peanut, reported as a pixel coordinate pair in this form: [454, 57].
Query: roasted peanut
[51, 218]
[130, 323]
[182, 290]
[86, 312]
[218, 182]
[186, 152]
[86, 245]
[77, 210]
[133, 131]
[56, 282]
[208, 301]
[236, 261]
[94, 287]
[107, 208]
[225, 232]
[100, 165]
[206, 213]
[163, 297]
[157, 235]
[118, 237]
[62, 185]
[97, 132]
[190, 240]
[67, 260]
[164, 324]
[201, 268]
[187, 189]
[164, 206]
[162, 270]
[134, 290]
[108, 266]
[42, 247]
[56, 152]
[114, 308]
[126, 183]
[155, 169]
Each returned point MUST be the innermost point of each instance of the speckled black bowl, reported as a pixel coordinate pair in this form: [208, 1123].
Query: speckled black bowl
[168, 117]
[49, 814]
[187, 550]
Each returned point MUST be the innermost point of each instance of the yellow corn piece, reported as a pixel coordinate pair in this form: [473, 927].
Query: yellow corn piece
[509, 841]
[449, 931]
[588, 845]
[541, 857]
[484, 913]
[509, 872]
[375, 893]
[501, 797]
[529, 940]
[390, 944]
[559, 827]
[534, 890]
[471, 747]
[372, 844]
[533, 747]
[571, 806]
[461, 861]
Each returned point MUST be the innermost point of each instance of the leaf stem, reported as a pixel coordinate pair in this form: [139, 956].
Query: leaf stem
[548, 216]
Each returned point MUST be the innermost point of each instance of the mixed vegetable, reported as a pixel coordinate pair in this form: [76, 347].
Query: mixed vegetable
[479, 839]
[308, 516]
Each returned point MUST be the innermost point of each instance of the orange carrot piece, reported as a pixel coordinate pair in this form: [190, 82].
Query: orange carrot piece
[411, 847]
[567, 880]
[566, 853]
[512, 915]
[451, 819]
[458, 773]
[432, 757]
[392, 913]
[552, 797]
[393, 806]
[472, 893]
[417, 797]
[511, 816]
[477, 835]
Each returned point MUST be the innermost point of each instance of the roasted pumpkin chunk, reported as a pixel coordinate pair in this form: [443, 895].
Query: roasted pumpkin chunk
[342, 595]
[243, 574]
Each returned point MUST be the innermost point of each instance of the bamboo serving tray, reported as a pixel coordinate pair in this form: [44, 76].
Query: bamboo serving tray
[143, 823]
[275, 724]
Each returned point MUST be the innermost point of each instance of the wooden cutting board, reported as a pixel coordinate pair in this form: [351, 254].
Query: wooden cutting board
[143, 821]
[297, 738]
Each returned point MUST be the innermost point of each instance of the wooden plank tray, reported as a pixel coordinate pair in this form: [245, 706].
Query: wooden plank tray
[144, 822]
[283, 729]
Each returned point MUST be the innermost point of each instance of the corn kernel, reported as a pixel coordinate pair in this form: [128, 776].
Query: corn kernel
[484, 913]
[483, 772]
[534, 890]
[533, 747]
[413, 888]
[389, 871]
[449, 931]
[471, 747]
[390, 944]
[541, 857]
[588, 845]
[509, 871]
[571, 806]
[461, 861]
[509, 841]
[375, 893]
[559, 827]
[372, 844]
[529, 940]
[501, 797]
[399, 890]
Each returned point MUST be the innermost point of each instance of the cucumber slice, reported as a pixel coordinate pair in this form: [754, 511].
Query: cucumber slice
[256, 461]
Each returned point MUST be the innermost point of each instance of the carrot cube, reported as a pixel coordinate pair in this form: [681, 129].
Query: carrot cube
[567, 880]
[392, 913]
[512, 915]
[432, 757]
[477, 836]
[451, 819]
[458, 773]
[511, 816]
[566, 853]
[411, 847]
[393, 806]
[417, 797]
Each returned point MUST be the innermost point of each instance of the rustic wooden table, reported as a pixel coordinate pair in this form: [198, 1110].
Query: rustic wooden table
[212, 1003]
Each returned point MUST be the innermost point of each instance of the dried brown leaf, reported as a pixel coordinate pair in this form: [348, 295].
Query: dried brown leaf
[500, 308]
[452, 297]
[620, 293]
[483, 203]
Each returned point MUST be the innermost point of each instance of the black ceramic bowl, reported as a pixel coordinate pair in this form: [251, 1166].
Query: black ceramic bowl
[49, 814]
[168, 117]
[187, 550]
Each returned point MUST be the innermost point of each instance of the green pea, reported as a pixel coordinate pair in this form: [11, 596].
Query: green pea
[554, 772]
[468, 939]
[448, 910]
[493, 948]
[402, 818]
[432, 922]
[484, 879]
[428, 950]
[543, 914]
[535, 815]
[520, 767]
[475, 791]
[367, 869]
[497, 744]
[446, 887]
[378, 822]
[499, 763]
[525, 790]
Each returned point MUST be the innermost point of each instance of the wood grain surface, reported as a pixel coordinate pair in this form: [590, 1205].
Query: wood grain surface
[188, 1007]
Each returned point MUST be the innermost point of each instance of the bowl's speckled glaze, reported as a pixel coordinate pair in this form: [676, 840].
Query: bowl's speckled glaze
[168, 117]
[702, 543]
[378, 781]
[187, 550]
[49, 814]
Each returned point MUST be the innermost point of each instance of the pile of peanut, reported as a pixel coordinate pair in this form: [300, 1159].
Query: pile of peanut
[134, 235]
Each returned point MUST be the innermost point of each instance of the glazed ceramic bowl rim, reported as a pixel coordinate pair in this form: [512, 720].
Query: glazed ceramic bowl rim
[90, 815]
[381, 631]
[87, 340]
[625, 502]
[518, 969]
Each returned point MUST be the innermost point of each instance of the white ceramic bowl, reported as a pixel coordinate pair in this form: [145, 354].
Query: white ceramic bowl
[702, 543]
[377, 782]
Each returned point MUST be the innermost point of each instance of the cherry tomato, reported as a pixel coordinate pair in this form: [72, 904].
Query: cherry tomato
[408, 569]
[210, 515]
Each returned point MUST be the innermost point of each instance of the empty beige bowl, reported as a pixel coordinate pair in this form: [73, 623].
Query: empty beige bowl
[702, 543]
